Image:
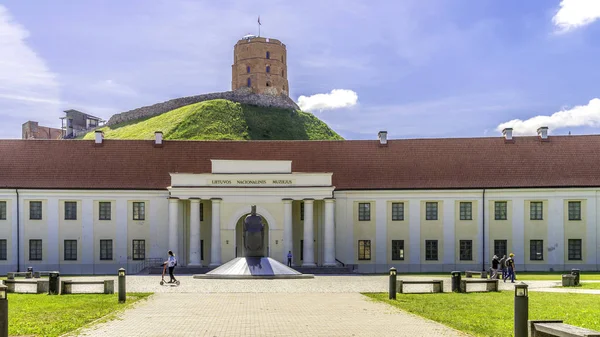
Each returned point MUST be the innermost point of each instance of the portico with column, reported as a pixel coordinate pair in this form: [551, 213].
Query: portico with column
[227, 195]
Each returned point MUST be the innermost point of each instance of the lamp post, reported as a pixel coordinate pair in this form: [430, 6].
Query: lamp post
[122, 293]
[3, 311]
[521, 310]
[392, 283]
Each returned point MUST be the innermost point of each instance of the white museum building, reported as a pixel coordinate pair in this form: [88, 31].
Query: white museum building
[420, 205]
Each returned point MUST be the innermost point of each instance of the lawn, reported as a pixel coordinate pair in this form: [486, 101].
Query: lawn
[491, 314]
[589, 285]
[525, 276]
[44, 315]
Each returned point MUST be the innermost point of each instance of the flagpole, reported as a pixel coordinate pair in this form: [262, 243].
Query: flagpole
[259, 26]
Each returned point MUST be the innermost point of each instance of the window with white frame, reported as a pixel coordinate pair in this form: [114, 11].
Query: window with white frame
[431, 250]
[500, 210]
[574, 210]
[139, 211]
[105, 210]
[364, 211]
[397, 250]
[2, 210]
[397, 211]
[364, 249]
[575, 249]
[536, 250]
[35, 250]
[106, 250]
[70, 210]
[35, 210]
[70, 250]
[431, 211]
[466, 210]
[536, 210]
[466, 250]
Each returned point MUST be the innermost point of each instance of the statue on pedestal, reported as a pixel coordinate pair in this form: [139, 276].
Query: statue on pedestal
[254, 235]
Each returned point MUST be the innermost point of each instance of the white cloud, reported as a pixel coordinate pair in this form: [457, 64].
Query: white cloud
[576, 13]
[337, 98]
[28, 89]
[582, 115]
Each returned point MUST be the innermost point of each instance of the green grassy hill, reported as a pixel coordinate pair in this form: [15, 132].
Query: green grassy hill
[224, 120]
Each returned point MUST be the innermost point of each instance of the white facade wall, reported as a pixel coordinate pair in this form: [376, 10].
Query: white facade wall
[235, 203]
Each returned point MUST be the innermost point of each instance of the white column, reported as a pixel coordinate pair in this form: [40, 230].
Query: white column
[309, 250]
[52, 214]
[288, 244]
[329, 233]
[120, 247]
[215, 240]
[195, 233]
[381, 237]
[173, 225]
[87, 236]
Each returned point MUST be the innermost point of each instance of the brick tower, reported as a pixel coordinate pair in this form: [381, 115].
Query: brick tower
[260, 64]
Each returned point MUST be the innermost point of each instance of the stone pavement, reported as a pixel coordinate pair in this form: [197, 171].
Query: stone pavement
[323, 306]
[266, 314]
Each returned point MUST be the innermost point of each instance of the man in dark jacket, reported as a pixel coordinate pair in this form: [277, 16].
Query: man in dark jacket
[495, 265]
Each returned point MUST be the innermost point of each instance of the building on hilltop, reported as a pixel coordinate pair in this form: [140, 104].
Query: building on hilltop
[32, 130]
[260, 64]
[419, 205]
[75, 123]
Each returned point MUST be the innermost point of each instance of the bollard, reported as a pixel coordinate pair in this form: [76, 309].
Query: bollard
[3, 311]
[521, 310]
[122, 293]
[54, 283]
[455, 281]
[392, 283]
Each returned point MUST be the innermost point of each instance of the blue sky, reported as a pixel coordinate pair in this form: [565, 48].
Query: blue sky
[432, 68]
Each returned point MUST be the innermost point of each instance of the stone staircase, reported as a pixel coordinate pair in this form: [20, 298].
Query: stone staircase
[325, 270]
[157, 270]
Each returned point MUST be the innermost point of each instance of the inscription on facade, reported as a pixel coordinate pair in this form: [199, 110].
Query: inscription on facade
[252, 182]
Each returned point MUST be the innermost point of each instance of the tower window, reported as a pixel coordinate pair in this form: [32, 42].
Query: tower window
[268, 84]
[268, 69]
[268, 55]
[281, 58]
[282, 73]
[248, 69]
[249, 82]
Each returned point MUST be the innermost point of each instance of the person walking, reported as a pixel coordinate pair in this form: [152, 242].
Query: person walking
[510, 266]
[289, 256]
[495, 264]
[503, 266]
[171, 263]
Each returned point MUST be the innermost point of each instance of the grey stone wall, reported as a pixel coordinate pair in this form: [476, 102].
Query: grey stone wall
[243, 95]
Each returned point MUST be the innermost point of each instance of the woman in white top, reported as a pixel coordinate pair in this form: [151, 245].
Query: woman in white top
[171, 263]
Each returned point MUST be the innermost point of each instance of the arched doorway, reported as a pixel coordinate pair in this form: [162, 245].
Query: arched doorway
[239, 236]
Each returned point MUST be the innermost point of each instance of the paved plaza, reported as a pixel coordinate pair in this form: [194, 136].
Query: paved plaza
[323, 306]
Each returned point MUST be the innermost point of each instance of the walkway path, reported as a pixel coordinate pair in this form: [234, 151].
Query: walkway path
[323, 306]
[267, 314]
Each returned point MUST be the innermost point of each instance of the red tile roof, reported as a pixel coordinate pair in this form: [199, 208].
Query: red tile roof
[563, 161]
